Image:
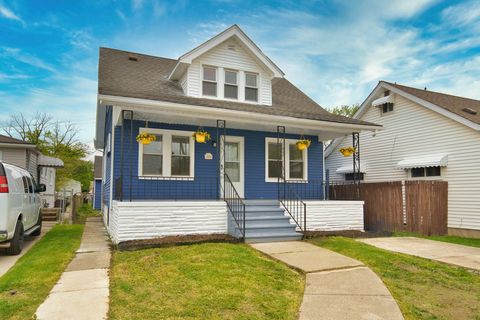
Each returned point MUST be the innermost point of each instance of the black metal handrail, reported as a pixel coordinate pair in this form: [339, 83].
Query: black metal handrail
[235, 203]
[293, 204]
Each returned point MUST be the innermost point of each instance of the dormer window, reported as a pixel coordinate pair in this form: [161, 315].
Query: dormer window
[209, 84]
[231, 84]
[251, 87]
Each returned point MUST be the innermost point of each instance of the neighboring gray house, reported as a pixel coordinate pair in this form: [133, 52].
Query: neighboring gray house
[20, 153]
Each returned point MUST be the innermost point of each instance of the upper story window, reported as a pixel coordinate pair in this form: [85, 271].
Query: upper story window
[251, 87]
[231, 84]
[209, 83]
[387, 107]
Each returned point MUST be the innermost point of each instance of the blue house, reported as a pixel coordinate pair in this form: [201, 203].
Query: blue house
[217, 141]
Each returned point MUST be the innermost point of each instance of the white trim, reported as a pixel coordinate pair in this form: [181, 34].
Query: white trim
[288, 142]
[18, 145]
[167, 153]
[240, 187]
[234, 30]
[112, 154]
[233, 115]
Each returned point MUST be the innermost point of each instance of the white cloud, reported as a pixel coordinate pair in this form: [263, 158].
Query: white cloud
[9, 14]
[137, 4]
[462, 14]
[19, 55]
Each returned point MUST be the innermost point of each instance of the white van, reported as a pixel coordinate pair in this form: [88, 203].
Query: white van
[19, 207]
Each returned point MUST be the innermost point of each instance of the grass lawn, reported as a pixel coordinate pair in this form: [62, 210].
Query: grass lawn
[423, 289]
[26, 285]
[452, 239]
[202, 281]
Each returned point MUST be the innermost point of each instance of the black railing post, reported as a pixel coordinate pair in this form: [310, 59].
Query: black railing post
[356, 162]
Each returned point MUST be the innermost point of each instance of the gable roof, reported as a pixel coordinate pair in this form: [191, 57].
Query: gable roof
[454, 104]
[448, 105]
[233, 31]
[46, 161]
[10, 140]
[147, 78]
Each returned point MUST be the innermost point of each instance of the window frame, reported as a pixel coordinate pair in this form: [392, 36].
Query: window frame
[425, 176]
[210, 81]
[167, 154]
[390, 108]
[225, 83]
[286, 151]
[251, 87]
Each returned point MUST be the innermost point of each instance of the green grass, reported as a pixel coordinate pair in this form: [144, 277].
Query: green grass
[85, 211]
[27, 284]
[423, 289]
[202, 281]
[451, 239]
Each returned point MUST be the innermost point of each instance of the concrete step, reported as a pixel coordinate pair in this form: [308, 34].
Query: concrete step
[272, 237]
[276, 223]
[262, 202]
[263, 208]
[268, 230]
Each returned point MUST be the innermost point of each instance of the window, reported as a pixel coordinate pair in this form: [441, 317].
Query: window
[251, 87]
[171, 155]
[387, 107]
[180, 156]
[296, 161]
[425, 172]
[349, 176]
[275, 159]
[153, 157]
[209, 84]
[231, 84]
[232, 160]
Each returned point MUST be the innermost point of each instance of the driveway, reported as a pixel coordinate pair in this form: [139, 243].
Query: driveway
[6, 261]
[456, 254]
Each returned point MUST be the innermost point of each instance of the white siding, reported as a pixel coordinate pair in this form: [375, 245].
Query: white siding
[184, 83]
[17, 157]
[146, 220]
[47, 177]
[238, 59]
[334, 215]
[412, 130]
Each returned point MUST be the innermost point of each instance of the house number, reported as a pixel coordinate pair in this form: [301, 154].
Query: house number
[208, 156]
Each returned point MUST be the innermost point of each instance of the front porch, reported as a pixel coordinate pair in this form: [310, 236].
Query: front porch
[249, 180]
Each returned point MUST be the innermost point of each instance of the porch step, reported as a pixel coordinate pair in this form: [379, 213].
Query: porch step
[266, 221]
[50, 214]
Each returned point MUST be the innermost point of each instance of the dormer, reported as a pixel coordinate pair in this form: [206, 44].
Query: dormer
[227, 67]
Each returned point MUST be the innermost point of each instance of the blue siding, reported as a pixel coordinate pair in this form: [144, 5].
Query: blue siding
[108, 157]
[97, 189]
[206, 170]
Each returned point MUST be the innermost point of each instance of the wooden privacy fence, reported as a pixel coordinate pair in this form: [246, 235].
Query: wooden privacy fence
[416, 206]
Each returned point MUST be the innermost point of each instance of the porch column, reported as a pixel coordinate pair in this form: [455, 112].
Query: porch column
[356, 162]
[221, 134]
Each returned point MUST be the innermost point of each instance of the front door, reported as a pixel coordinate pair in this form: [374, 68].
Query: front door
[234, 162]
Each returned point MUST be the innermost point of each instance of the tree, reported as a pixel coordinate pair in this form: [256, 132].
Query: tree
[56, 139]
[346, 110]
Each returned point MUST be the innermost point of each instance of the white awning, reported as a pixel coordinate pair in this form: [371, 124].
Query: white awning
[382, 100]
[46, 161]
[349, 169]
[431, 160]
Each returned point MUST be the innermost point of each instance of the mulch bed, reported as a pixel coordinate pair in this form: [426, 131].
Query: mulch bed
[175, 241]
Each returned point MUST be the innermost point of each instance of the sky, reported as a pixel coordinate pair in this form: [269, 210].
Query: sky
[335, 51]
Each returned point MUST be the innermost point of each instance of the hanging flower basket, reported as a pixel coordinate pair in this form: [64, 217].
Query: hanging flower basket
[347, 152]
[146, 138]
[303, 144]
[201, 136]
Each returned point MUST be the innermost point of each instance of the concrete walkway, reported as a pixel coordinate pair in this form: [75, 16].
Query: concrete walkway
[456, 254]
[6, 261]
[337, 287]
[83, 289]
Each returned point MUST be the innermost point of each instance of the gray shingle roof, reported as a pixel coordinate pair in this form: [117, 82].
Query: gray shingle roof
[147, 78]
[449, 102]
[6, 139]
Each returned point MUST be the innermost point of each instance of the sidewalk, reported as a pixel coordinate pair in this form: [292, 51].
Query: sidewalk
[337, 287]
[456, 254]
[6, 262]
[83, 289]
